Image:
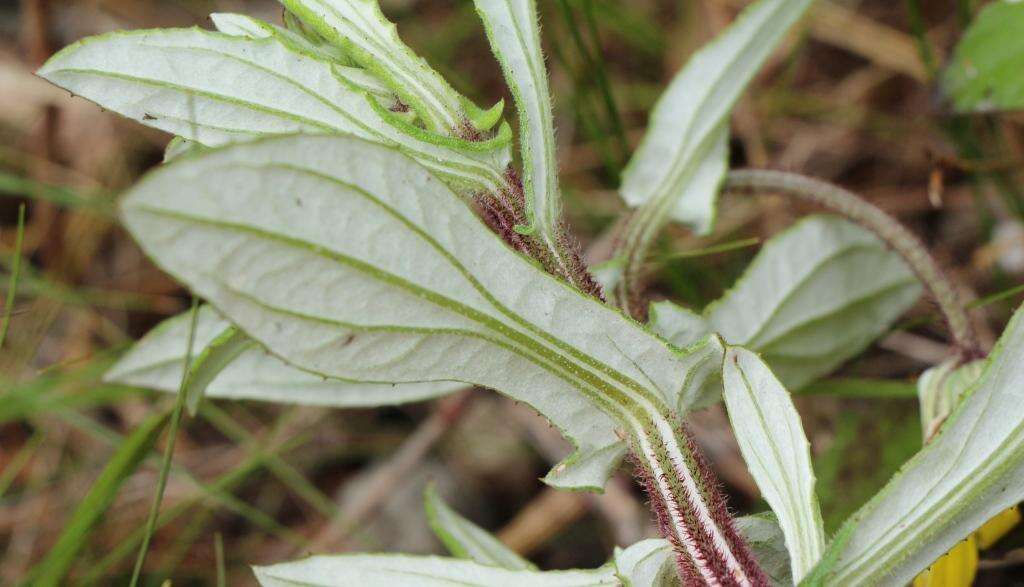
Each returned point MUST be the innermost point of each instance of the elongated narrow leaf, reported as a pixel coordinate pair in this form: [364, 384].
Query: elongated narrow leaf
[971, 470]
[772, 441]
[350, 260]
[985, 72]
[514, 32]
[815, 296]
[156, 362]
[390, 570]
[465, 539]
[214, 89]
[53, 568]
[361, 29]
[682, 159]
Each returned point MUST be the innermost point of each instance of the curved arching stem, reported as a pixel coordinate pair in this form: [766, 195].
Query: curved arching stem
[859, 210]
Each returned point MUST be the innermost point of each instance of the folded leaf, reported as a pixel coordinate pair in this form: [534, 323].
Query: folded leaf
[162, 78]
[360, 28]
[156, 362]
[971, 470]
[772, 441]
[349, 260]
[681, 161]
[984, 74]
[815, 296]
[464, 539]
[391, 570]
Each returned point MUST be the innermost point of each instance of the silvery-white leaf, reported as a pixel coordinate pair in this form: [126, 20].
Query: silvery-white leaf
[971, 470]
[392, 570]
[682, 159]
[771, 438]
[816, 295]
[214, 89]
[762, 533]
[676, 324]
[940, 389]
[179, 146]
[241, 25]
[514, 32]
[648, 563]
[361, 29]
[464, 539]
[350, 260]
[157, 361]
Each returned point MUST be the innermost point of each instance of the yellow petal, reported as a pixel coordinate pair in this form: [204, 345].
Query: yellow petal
[997, 527]
[956, 568]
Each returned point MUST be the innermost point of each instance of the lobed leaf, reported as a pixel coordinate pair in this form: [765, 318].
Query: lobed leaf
[388, 570]
[985, 72]
[772, 441]
[678, 168]
[241, 25]
[971, 470]
[349, 260]
[361, 29]
[215, 89]
[464, 539]
[156, 362]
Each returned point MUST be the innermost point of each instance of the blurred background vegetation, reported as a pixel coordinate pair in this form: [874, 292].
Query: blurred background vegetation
[851, 97]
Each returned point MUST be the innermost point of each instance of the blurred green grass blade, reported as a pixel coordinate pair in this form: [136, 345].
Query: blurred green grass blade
[14, 467]
[996, 297]
[713, 249]
[15, 185]
[55, 565]
[165, 467]
[12, 290]
[285, 473]
[861, 388]
[218, 552]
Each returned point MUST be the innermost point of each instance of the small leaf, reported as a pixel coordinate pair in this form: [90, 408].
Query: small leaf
[156, 362]
[55, 566]
[815, 296]
[464, 539]
[361, 29]
[678, 168]
[648, 563]
[211, 362]
[514, 33]
[772, 441]
[162, 78]
[985, 72]
[350, 260]
[971, 470]
[762, 533]
[391, 570]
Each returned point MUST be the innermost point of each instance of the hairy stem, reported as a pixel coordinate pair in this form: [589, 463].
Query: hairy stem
[690, 508]
[886, 227]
